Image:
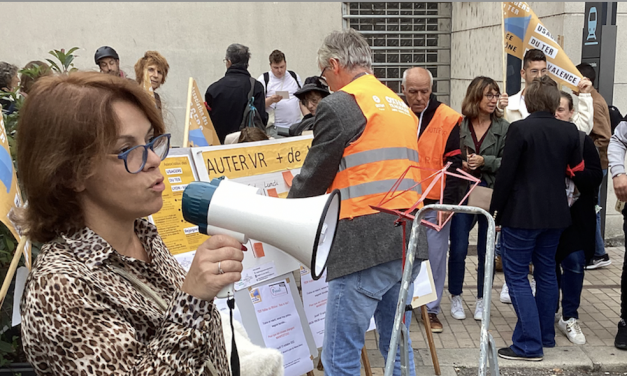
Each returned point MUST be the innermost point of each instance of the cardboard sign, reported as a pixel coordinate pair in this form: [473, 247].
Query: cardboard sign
[524, 31]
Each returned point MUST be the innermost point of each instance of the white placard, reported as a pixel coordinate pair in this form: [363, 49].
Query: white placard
[20, 283]
[256, 275]
[281, 326]
[315, 302]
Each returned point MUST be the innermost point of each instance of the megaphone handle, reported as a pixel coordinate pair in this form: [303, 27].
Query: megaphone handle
[227, 291]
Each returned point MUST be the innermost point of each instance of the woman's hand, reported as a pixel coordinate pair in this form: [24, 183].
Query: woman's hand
[218, 253]
[503, 101]
[475, 161]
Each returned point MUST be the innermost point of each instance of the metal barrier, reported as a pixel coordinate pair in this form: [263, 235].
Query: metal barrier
[487, 352]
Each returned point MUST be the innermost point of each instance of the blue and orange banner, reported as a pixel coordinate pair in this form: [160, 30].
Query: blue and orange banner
[523, 31]
[199, 127]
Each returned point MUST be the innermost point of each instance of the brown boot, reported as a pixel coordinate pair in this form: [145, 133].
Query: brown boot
[436, 325]
[498, 264]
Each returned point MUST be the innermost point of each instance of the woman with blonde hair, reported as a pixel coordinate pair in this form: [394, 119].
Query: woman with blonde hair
[105, 296]
[156, 67]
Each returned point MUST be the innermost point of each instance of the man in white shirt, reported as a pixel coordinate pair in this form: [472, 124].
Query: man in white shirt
[276, 82]
[534, 65]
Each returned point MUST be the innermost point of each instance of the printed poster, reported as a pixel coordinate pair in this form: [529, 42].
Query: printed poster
[524, 31]
[281, 327]
[201, 130]
[177, 234]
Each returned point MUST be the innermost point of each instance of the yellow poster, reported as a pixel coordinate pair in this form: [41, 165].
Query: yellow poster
[201, 130]
[524, 31]
[10, 196]
[255, 158]
[177, 234]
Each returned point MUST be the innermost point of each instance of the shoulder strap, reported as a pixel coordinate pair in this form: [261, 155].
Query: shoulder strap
[266, 79]
[252, 89]
[582, 139]
[295, 77]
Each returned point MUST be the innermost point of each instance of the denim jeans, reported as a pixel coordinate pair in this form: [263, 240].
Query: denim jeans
[570, 275]
[353, 299]
[534, 328]
[461, 224]
[599, 249]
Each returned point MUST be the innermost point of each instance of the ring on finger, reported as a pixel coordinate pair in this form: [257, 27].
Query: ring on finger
[220, 271]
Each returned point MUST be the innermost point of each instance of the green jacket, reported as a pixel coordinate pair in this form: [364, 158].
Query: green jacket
[491, 148]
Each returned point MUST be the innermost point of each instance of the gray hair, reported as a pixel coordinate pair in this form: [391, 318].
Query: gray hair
[7, 72]
[238, 54]
[349, 47]
[407, 70]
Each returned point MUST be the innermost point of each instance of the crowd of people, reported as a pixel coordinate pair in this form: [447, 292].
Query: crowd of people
[106, 286]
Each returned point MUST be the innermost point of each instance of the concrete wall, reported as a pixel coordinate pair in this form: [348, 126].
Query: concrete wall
[475, 42]
[192, 36]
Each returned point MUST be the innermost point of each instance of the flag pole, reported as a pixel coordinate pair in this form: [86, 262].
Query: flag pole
[187, 111]
[504, 50]
[12, 268]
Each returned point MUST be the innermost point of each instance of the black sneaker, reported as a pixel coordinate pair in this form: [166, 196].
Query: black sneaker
[507, 353]
[599, 262]
[621, 337]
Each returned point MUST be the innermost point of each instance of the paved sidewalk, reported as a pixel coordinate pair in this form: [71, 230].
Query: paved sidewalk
[458, 345]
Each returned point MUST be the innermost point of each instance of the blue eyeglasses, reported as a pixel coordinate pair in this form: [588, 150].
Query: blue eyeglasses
[135, 157]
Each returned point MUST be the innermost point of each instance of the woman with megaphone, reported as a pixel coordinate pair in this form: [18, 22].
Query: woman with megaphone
[105, 296]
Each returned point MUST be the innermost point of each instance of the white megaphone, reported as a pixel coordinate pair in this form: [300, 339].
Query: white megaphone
[304, 228]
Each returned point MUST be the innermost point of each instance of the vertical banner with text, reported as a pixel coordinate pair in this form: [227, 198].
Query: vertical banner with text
[201, 130]
[524, 31]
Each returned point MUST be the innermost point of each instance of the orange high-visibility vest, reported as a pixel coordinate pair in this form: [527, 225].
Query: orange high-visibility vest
[373, 163]
[432, 144]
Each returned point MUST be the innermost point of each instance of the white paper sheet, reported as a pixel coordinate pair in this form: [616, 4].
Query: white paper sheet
[315, 302]
[281, 327]
[256, 275]
[20, 283]
[422, 285]
[185, 259]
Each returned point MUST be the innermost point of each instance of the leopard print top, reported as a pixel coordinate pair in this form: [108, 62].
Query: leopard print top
[79, 317]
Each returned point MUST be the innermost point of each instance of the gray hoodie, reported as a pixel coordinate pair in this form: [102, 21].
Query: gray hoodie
[617, 149]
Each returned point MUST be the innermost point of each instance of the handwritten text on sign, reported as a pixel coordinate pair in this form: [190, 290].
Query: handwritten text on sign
[259, 159]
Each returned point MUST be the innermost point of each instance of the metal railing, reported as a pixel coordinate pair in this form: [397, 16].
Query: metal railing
[487, 347]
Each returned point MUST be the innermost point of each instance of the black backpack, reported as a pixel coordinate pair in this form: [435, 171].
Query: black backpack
[615, 117]
[266, 79]
[251, 116]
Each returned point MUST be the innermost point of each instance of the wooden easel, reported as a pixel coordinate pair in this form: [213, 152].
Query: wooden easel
[431, 343]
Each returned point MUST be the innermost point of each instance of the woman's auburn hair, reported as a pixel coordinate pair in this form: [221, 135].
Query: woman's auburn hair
[151, 58]
[474, 96]
[67, 125]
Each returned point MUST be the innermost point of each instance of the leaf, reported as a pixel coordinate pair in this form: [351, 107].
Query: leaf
[6, 348]
[54, 65]
[69, 60]
[72, 50]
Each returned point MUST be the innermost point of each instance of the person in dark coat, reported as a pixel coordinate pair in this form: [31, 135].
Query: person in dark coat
[577, 244]
[530, 203]
[227, 98]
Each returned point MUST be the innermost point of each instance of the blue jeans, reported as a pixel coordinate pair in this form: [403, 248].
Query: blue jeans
[570, 275]
[353, 299]
[599, 249]
[534, 328]
[461, 224]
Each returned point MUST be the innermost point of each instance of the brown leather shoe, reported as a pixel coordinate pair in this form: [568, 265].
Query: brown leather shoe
[498, 265]
[436, 325]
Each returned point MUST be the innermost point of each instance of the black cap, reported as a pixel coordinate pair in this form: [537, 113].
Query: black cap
[312, 84]
[105, 51]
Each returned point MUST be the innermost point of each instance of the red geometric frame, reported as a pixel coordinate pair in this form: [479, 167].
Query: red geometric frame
[438, 175]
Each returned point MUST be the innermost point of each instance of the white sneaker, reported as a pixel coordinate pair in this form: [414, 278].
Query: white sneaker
[457, 307]
[505, 295]
[558, 317]
[533, 286]
[572, 330]
[479, 310]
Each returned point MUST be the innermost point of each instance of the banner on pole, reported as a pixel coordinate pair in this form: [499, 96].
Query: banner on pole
[10, 196]
[524, 31]
[201, 130]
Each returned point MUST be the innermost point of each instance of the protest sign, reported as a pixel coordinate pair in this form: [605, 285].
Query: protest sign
[199, 130]
[522, 31]
[178, 235]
